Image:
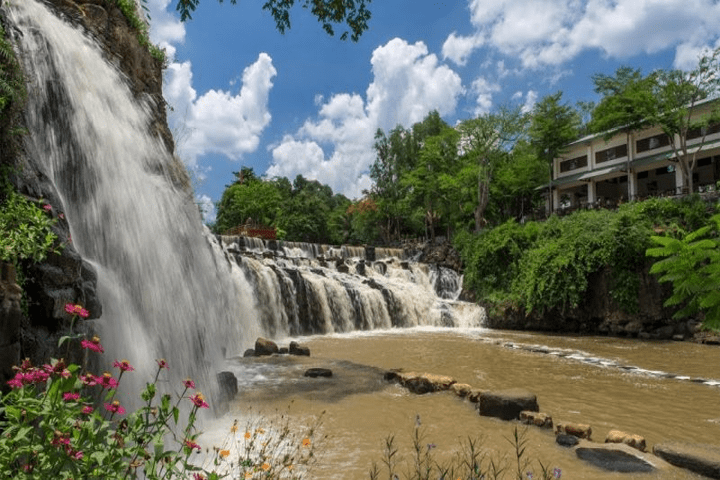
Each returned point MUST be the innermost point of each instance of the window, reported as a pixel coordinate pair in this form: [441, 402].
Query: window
[611, 153]
[651, 143]
[701, 131]
[573, 164]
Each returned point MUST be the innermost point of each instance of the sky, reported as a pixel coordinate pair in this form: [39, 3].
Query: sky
[304, 103]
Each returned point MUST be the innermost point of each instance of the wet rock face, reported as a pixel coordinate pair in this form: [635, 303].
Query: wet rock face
[507, 404]
[698, 458]
[614, 460]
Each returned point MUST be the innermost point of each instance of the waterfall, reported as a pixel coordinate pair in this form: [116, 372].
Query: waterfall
[318, 289]
[165, 294]
[169, 289]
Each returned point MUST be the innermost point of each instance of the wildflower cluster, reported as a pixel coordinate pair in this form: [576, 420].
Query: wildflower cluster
[59, 421]
[275, 450]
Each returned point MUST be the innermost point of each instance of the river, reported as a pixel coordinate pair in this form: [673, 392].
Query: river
[580, 379]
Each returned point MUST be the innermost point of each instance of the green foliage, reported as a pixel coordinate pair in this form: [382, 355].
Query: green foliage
[128, 8]
[329, 13]
[546, 266]
[25, 229]
[692, 264]
[12, 85]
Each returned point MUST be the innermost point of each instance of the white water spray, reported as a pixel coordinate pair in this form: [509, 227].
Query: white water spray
[165, 293]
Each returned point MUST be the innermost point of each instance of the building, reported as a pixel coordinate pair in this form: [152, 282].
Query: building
[595, 172]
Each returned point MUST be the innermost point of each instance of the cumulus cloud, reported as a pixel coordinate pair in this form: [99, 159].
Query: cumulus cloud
[484, 90]
[551, 32]
[207, 208]
[408, 83]
[219, 121]
[458, 48]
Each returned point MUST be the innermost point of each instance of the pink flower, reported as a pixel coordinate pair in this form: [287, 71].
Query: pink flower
[93, 345]
[198, 476]
[16, 382]
[107, 381]
[47, 207]
[115, 407]
[192, 445]
[124, 366]
[61, 215]
[90, 380]
[87, 410]
[76, 310]
[75, 454]
[71, 396]
[162, 363]
[199, 400]
[189, 383]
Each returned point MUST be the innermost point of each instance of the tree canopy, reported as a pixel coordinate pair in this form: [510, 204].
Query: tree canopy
[354, 14]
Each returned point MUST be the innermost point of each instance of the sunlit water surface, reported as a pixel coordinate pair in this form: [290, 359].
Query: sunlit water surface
[579, 379]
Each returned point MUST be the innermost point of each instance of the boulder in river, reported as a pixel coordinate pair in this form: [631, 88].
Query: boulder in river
[507, 404]
[228, 386]
[318, 372]
[635, 441]
[425, 382]
[579, 430]
[462, 390]
[538, 419]
[696, 457]
[263, 346]
[297, 349]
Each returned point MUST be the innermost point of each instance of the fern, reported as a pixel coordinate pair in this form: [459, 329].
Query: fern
[692, 264]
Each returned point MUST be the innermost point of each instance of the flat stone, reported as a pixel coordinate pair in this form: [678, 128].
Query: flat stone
[614, 460]
[318, 372]
[421, 383]
[507, 404]
[635, 441]
[696, 457]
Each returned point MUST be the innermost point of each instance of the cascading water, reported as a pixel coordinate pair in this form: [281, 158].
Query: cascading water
[166, 287]
[164, 292]
[310, 289]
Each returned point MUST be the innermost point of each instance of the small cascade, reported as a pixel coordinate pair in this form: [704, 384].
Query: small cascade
[315, 289]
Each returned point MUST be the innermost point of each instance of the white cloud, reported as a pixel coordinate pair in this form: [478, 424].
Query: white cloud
[207, 208]
[551, 32]
[218, 121]
[458, 48]
[530, 100]
[408, 83]
[484, 91]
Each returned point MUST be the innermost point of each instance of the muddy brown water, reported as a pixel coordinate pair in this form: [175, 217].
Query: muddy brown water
[638, 387]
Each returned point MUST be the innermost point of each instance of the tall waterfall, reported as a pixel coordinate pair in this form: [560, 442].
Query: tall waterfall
[168, 289]
[164, 293]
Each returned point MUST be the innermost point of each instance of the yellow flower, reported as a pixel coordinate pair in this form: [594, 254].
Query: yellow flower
[247, 435]
[233, 429]
[306, 442]
[248, 474]
[265, 466]
[224, 453]
[260, 431]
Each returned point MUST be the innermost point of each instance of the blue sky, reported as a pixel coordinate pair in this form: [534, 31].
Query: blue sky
[305, 103]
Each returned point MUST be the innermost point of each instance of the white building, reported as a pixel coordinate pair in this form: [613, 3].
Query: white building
[593, 171]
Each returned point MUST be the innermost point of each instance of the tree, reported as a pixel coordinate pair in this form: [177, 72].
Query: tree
[626, 106]
[515, 182]
[552, 127]
[329, 13]
[677, 95]
[487, 140]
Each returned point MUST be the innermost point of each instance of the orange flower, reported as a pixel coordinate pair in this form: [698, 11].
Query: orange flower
[265, 466]
[247, 435]
[233, 429]
[306, 442]
[224, 453]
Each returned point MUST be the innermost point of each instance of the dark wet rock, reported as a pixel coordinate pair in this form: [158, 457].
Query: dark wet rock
[297, 349]
[566, 440]
[665, 333]
[263, 346]
[318, 372]
[228, 386]
[284, 351]
[420, 383]
[249, 353]
[507, 404]
[614, 459]
[699, 458]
